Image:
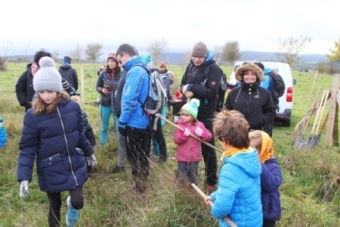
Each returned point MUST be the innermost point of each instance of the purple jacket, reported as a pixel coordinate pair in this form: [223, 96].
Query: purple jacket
[189, 149]
[271, 180]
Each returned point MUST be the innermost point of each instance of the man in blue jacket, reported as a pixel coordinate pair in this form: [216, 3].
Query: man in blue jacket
[133, 121]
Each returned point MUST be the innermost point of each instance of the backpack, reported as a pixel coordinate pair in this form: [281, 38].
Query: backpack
[157, 98]
[221, 90]
[279, 86]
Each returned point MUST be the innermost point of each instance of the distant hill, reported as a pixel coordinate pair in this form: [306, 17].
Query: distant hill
[179, 58]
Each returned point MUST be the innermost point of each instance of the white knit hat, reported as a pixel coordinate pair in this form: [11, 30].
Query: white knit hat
[47, 77]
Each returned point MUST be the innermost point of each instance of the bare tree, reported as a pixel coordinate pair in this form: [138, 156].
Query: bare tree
[93, 52]
[231, 52]
[289, 49]
[55, 55]
[218, 53]
[76, 54]
[157, 48]
[6, 49]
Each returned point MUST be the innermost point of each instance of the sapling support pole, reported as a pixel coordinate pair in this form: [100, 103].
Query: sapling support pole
[192, 135]
[199, 191]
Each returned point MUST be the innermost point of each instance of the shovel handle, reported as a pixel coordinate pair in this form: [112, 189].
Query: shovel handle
[192, 135]
[199, 191]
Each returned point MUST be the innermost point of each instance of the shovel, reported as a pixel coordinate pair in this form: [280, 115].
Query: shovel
[317, 119]
[300, 140]
[315, 140]
[318, 136]
[192, 135]
[199, 191]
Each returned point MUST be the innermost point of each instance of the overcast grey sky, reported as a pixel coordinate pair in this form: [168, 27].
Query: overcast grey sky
[257, 25]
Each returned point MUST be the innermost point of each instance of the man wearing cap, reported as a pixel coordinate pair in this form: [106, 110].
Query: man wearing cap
[133, 121]
[195, 84]
[68, 73]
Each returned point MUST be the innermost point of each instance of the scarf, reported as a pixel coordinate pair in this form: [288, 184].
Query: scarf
[232, 151]
[267, 148]
[34, 68]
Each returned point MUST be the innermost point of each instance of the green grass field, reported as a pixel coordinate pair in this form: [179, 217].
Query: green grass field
[309, 192]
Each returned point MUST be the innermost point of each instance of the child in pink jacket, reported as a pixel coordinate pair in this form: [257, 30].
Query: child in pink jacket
[188, 152]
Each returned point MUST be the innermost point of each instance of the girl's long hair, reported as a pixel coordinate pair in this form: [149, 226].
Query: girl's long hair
[40, 107]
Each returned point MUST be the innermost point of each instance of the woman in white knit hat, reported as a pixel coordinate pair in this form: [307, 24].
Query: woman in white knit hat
[52, 137]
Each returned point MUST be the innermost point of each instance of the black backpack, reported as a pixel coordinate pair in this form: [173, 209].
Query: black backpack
[223, 85]
[279, 86]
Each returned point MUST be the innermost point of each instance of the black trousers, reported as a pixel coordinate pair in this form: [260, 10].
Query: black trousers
[137, 152]
[209, 155]
[159, 136]
[268, 223]
[54, 198]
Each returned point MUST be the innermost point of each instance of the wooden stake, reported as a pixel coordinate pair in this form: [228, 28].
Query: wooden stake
[332, 123]
[199, 191]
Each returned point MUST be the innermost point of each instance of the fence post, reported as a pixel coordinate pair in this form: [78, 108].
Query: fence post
[332, 123]
[82, 77]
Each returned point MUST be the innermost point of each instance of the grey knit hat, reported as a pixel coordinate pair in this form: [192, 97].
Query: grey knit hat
[47, 77]
[199, 50]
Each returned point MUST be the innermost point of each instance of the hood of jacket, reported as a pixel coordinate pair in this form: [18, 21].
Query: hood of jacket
[65, 67]
[248, 161]
[132, 62]
[209, 57]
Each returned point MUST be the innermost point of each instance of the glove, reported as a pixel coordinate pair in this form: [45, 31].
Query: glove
[23, 191]
[122, 130]
[199, 132]
[91, 160]
[186, 132]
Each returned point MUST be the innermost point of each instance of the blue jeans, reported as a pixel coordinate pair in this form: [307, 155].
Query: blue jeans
[105, 113]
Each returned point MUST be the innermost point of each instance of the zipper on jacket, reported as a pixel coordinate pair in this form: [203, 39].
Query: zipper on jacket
[68, 151]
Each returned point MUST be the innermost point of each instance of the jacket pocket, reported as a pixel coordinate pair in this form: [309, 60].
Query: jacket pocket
[50, 161]
[54, 172]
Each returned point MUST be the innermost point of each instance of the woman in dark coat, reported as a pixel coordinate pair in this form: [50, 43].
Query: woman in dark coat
[253, 101]
[52, 136]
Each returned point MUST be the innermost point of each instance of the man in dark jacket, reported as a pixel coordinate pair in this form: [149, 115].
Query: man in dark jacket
[68, 73]
[195, 84]
[24, 86]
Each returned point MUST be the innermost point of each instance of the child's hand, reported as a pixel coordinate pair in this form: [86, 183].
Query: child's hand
[199, 132]
[208, 201]
[186, 132]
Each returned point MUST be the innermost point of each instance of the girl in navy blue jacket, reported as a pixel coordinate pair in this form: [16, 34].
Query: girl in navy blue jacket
[52, 136]
[271, 177]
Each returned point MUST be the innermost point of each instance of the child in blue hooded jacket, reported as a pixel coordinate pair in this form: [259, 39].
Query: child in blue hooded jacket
[238, 195]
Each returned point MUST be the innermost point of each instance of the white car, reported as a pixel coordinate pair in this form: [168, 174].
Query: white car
[283, 113]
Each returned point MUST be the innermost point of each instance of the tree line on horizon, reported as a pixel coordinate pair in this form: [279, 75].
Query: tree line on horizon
[288, 51]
